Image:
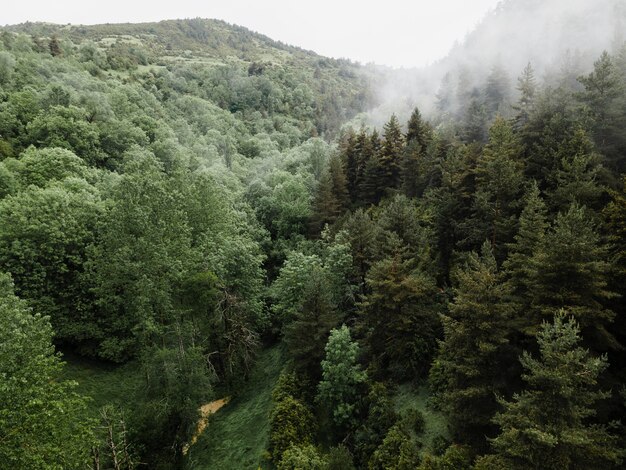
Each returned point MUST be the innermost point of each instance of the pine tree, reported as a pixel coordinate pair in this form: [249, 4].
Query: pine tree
[499, 184]
[549, 424]
[474, 355]
[418, 138]
[577, 177]
[391, 156]
[518, 265]
[527, 87]
[55, 47]
[497, 94]
[307, 334]
[569, 271]
[603, 89]
[474, 124]
[400, 317]
[371, 190]
[331, 199]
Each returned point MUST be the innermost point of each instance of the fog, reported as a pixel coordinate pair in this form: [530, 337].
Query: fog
[550, 34]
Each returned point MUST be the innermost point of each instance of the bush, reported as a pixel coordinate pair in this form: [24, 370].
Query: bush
[291, 423]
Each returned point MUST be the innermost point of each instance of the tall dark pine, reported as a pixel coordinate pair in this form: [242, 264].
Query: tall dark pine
[527, 87]
[400, 318]
[306, 336]
[391, 155]
[372, 186]
[499, 185]
[604, 97]
[550, 423]
[418, 138]
[474, 356]
[569, 270]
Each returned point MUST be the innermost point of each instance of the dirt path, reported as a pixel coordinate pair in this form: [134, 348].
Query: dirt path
[205, 411]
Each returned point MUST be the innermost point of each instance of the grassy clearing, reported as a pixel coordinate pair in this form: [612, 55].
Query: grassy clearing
[104, 383]
[237, 435]
[435, 423]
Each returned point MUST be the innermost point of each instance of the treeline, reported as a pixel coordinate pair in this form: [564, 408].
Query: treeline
[488, 266]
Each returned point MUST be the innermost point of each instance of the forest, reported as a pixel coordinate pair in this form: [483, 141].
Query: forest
[193, 213]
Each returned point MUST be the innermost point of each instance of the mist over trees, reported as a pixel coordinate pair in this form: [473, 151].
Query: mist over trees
[197, 217]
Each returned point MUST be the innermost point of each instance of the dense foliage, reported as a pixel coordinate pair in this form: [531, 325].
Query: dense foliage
[180, 195]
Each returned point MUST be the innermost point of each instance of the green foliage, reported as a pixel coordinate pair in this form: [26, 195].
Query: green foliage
[339, 458]
[400, 317]
[44, 238]
[301, 458]
[341, 378]
[397, 452]
[380, 417]
[499, 183]
[307, 334]
[41, 417]
[550, 423]
[238, 434]
[569, 270]
[455, 457]
[291, 424]
[468, 370]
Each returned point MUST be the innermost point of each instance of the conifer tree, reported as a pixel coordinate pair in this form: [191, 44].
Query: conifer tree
[550, 423]
[499, 184]
[474, 355]
[603, 89]
[577, 177]
[391, 156]
[400, 317]
[371, 187]
[497, 92]
[306, 336]
[418, 138]
[331, 199]
[518, 265]
[527, 87]
[569, 271]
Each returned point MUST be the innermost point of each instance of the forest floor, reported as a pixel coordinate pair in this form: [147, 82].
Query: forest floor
[237, 437]
[205, 411]
[435, 423]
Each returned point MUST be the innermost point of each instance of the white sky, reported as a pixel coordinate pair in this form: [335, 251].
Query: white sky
[391, 32]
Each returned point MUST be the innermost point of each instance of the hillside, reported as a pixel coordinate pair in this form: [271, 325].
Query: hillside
[209, 261]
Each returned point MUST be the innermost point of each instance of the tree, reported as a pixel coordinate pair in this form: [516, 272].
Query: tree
[391, 155]
[45, 236]
[518, 267]
[550, 423]
[527, 87]
[469, 368]
[331, 198]
[497, 91]
[307, 334]
[302, 457]
[578, 177]
[603, 88]
[569, 271]
[397, 452]
[291, 424]
[341, 378]
[42, 418]
[418, 138]
[400, 318]
[499, 183]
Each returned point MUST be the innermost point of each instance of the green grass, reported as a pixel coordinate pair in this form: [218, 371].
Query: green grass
[103, 383]
[237, 435]
[435, 424]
